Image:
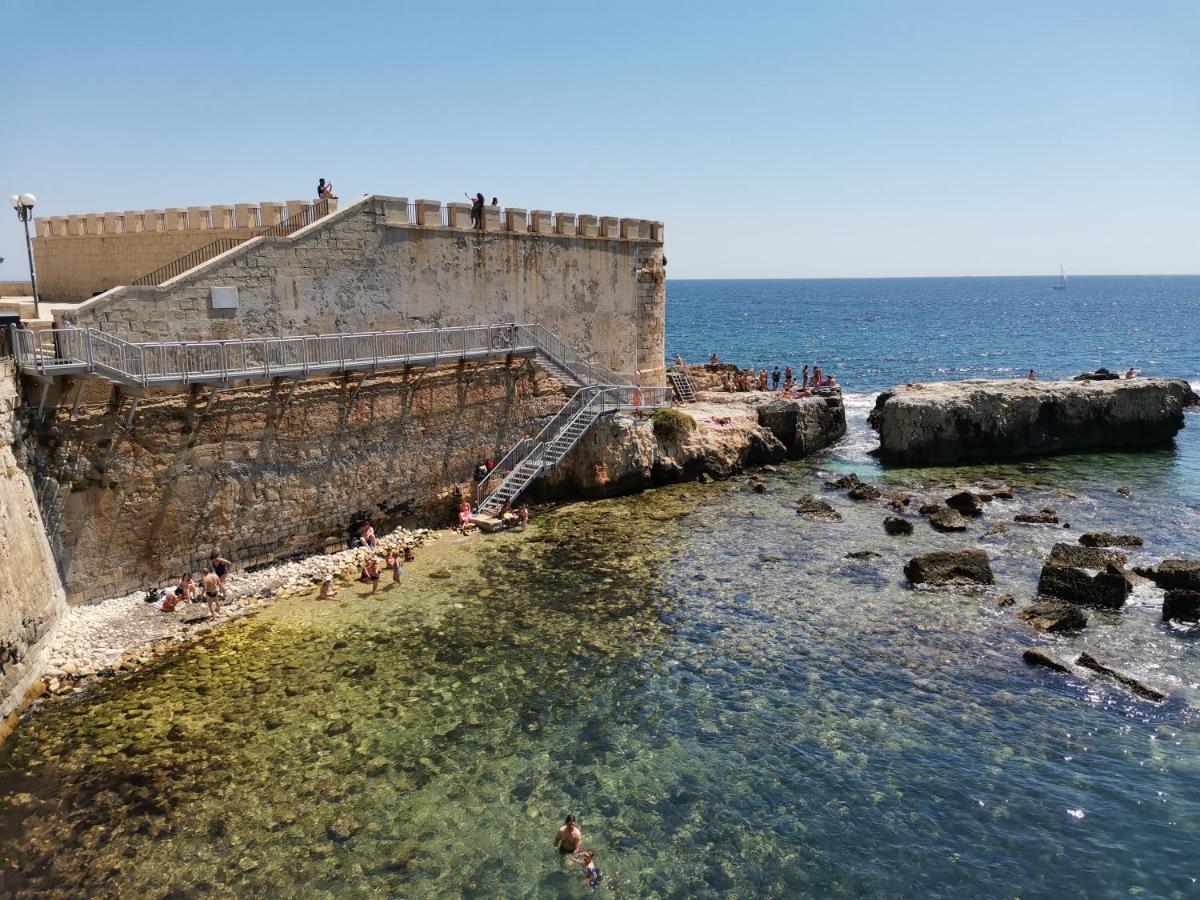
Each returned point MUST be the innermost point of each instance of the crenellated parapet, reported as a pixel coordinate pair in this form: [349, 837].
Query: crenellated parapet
[158, 221]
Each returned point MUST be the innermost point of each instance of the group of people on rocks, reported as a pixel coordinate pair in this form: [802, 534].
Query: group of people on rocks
[741, 380]
[210, 589]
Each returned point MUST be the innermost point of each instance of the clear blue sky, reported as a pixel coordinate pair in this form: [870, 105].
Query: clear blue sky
[790, 139]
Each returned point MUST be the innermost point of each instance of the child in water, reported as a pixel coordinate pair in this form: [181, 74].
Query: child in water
[592, 876]
[393, 563]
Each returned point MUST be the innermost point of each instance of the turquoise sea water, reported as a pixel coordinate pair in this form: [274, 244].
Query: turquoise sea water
[731, 706]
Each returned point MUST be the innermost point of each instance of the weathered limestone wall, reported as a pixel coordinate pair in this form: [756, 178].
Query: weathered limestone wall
[262, 477]
[80, 256]
[599, 284]
[31, 596]
[949, 422]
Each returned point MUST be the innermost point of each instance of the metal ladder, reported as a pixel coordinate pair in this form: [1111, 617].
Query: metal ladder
[683, 383]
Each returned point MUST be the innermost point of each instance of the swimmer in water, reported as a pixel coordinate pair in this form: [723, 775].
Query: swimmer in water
[568, 840]
[592, 876]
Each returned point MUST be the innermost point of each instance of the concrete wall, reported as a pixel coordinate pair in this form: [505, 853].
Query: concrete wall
[80, 256]
[31, 596]
[262, 477]
[382, 263]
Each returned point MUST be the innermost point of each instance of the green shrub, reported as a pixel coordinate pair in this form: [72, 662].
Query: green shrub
[671, 424]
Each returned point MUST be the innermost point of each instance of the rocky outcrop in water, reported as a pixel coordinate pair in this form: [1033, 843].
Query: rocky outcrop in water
[1106, 589]
[816, 508]
[1140, 688]
[1039, 656]
[974, 421]
[1183, 606]
[896, 526]
[1054, 616]
[622, 453]
[950, 567]
[1174, 574]
[1108, 539]
[946, 519]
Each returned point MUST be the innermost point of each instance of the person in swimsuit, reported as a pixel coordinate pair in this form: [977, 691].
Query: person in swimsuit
[213, 591]
[328, 591]
[568, 840]
[393, 563]
[220, 566]
[592, 876]
[372, 572]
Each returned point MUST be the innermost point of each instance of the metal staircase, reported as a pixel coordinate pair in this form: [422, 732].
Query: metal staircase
[530, 457]
[47, 354]
[683, 383]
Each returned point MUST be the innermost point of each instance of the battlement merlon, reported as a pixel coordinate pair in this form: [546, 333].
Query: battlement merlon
[264, 214]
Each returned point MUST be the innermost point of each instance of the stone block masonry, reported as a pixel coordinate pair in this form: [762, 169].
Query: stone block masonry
[382, 263]
[80, 256]
[31, 595]
[269, 473]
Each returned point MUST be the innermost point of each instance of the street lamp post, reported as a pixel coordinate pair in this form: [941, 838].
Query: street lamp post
[23, 204]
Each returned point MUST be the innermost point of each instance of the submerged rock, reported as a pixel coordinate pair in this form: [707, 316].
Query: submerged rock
[1107, 589]
[1174, 574]
[946, 519]
[1085, 557]
[966, 502]
[1138, 687]
[1038, 656]
[816, 508]
[863, 554]
[950, 566]
[1181, 605]
[951, 422]
[894, 525]
[1048, 516]
[1054, 616]
[863, 491]
[1108, 539]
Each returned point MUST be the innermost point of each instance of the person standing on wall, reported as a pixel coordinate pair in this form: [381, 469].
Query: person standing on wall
[476, 211]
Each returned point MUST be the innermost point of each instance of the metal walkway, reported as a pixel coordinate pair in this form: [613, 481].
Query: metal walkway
[59, 352]
[51, 353]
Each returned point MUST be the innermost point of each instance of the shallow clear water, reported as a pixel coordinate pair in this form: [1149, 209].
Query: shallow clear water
[729, 704]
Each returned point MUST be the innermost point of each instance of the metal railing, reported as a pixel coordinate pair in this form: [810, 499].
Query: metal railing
[318, 210]
[532, 456]
[69, 351]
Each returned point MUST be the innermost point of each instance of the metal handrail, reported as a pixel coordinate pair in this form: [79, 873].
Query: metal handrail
[317, 210]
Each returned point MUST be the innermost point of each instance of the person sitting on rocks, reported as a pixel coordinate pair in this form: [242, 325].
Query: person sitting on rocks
[713, 362]
[186, 590]
[328, 591]
[1032, 376]
[366, 535]
[523, 516]
[464, 518]
[409, 556]
[1129, 374]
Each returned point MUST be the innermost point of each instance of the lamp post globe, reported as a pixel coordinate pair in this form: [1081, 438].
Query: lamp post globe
[23, 204]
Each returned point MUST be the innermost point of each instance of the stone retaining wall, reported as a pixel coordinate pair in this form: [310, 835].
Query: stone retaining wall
[263, 476]
[31, 596]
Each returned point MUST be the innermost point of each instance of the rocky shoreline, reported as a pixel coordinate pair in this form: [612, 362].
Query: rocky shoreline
[123, 634]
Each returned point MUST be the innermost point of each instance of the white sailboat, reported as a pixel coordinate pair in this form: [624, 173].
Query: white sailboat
[1062, 279]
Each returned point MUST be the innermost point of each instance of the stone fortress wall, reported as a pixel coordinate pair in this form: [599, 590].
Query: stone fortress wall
[31, 595]
[384, 263]
[80, 256]
[263, 473]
